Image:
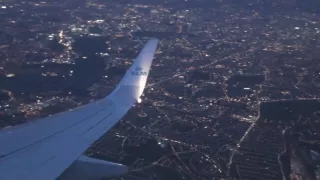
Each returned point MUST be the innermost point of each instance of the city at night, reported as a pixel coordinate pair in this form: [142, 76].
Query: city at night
[232, 92]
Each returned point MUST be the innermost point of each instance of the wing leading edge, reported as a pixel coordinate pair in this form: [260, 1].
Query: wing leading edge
[45, 148]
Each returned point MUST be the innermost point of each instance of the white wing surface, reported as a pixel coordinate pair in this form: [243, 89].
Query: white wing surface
[45, 148]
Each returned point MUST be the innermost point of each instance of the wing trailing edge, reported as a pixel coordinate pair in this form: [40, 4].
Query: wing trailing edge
[89, 168]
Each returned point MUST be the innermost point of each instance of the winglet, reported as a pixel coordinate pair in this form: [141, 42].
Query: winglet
[138, 72]
[134, 81]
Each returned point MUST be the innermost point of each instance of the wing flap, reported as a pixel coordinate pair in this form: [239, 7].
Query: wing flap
[90, 168]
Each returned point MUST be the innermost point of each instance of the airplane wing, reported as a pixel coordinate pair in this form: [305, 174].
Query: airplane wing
[45, 148]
